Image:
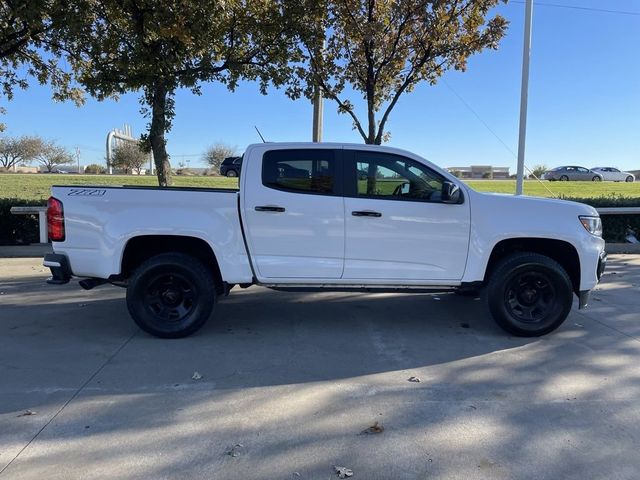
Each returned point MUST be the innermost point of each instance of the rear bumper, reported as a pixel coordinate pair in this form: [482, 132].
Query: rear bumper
[60, 270]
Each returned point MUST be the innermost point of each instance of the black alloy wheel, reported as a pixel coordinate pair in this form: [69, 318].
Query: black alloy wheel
[171, 295]
[529, 294]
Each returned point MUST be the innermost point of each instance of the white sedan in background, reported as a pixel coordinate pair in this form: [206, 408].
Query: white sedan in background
[614, 175]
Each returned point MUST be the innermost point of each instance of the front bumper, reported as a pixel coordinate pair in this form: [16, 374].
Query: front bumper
[60, 269]
[583, 295]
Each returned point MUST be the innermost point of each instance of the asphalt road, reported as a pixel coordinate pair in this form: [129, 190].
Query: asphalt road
[290, 381]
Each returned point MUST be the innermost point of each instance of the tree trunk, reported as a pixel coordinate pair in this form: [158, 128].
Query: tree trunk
[156, 133]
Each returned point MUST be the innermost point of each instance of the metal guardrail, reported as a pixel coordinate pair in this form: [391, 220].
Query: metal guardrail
[618, 210]
[42, 219]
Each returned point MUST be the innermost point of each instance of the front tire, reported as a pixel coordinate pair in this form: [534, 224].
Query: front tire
[564, 178]
[596, 179]
[529, 294]
[171, 295]
[232, 173]
[629, 179]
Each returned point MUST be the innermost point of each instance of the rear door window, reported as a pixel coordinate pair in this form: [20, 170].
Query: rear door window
[301, 171]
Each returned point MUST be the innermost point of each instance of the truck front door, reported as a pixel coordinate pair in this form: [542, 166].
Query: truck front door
[397, 227]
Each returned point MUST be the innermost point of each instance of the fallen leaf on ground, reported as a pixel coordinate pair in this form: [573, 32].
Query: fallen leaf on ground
[26, 413]
[414, 379]
[375, 428]
[235, 450]
[343, 472]
[196, 376]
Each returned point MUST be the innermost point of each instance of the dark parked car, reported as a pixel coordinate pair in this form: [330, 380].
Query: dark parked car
[231, 167]
[564, 174]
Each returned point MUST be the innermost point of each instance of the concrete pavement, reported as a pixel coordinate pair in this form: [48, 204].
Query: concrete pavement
[289, 382]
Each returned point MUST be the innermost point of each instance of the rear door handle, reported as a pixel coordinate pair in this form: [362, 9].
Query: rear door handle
[365, 213]
[269, 208]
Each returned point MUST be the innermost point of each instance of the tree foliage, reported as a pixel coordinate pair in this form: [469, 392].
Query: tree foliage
[52, 155]
[17, 150]
[382, 49]
[216, 153]
[129, 157]
[95, 169]
[158, 47]
[30, 47]
[538, 170]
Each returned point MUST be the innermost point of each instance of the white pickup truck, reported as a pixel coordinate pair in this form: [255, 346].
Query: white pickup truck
[326, 216]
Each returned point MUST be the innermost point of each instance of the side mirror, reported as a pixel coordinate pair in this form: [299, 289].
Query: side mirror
[450, 192]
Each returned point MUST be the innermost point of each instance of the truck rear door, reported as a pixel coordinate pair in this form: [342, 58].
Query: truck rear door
[293, 212]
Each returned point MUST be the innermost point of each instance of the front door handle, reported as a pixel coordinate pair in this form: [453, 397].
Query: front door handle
[365, 213]
[269, 208]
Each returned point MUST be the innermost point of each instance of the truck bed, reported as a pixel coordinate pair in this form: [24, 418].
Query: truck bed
[99, 220]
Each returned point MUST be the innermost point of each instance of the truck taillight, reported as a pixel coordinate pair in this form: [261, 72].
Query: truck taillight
[55, 220]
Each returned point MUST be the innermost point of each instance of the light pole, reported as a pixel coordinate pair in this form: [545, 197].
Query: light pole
[78, 158]
[318, 108]
[524, 94]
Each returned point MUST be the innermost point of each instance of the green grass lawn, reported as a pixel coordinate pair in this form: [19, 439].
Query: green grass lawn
[560, 189]
[38, 186]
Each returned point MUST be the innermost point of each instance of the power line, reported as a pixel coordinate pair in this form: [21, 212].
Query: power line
[586, 9]
[486, 125]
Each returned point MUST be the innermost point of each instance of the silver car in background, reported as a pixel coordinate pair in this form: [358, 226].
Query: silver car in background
[574, 173]
[614, 175]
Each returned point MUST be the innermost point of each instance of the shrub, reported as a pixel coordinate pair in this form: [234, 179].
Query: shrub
[18, 229]
[615, 226]
[95, 169]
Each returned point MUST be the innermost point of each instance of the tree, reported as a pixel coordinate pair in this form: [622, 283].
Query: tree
[158, 47]
[15, 150]
[384, 48]
[29, 46]
[129, 157]
[217, 152]
[51, 156]
[538, 170]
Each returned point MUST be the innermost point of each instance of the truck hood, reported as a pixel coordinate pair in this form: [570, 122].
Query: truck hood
[536, 206]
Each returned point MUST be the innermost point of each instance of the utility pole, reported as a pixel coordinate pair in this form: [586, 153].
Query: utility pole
[318, 103]
[318, 107]
[524, 94]
[78, 158]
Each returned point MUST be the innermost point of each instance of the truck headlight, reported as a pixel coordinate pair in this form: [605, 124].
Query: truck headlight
[593, 225]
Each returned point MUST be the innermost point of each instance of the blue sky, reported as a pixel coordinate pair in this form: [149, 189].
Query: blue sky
[584, 102]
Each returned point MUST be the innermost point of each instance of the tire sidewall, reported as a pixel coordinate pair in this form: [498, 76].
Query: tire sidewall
[180, 265]
[496, 297]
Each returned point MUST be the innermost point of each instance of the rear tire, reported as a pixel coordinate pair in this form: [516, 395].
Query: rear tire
[171, 295]
[529, 294]
[232, 173]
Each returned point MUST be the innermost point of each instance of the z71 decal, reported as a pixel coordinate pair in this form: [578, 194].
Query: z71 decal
[86, 192]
